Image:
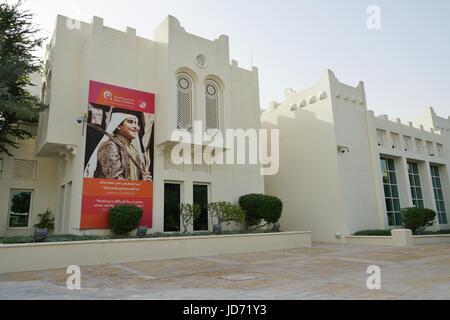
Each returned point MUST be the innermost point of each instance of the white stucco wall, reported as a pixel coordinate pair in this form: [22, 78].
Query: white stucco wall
[331, 193]
[99, 53]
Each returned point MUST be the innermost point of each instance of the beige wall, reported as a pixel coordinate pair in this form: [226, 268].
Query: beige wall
[96, 52]
[43, 187]
[308, 180]
[332, 193]
[29, 257]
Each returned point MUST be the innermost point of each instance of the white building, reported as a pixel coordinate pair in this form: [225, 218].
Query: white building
[343, 169]
[48, 172]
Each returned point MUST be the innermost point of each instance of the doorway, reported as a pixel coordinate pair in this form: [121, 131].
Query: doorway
[172, 199]
[201, 198]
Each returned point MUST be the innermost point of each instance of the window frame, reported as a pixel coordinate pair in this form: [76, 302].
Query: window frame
[192, 106]
[29, 213]
[442, 215]
[413, 186]
[392, 187]
[219, 103]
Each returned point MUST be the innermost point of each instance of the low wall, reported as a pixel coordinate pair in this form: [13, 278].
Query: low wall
[42, 256]
[399, 238]
[369, 240]
[431, 239]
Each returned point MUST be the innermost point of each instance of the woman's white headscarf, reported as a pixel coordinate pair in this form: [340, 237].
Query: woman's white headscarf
[116, 120]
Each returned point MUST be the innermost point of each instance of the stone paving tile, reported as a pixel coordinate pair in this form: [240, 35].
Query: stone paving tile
[325, 271]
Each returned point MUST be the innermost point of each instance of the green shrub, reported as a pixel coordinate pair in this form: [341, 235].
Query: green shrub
[225, 212]
[373, 233]
[124, 219]
[259, 208]
[417, 219]
[46, 221]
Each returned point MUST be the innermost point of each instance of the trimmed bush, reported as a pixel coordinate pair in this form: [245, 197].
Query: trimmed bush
[417, 219]
[373, 233]
[259, 208]
[124, 219]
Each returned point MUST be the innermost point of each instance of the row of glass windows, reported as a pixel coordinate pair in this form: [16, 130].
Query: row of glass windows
[438, 195]
[185, 100]
[416, 188]
[392, 196]
[391, 192]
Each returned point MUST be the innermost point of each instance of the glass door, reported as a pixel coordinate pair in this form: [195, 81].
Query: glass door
[201, 198]
[172, 199]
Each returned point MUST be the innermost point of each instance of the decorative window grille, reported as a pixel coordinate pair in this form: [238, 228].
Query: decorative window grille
[440, 150]
[184, 102]
[419, 147]
[24, 170]
[395, 141]
[407, 141]
[381, 138]
[430, 148]
[212, 105]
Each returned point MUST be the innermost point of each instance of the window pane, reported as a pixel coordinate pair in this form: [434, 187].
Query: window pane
[394, 192]
[387, 191]
[389, 206]
[19, 209]
[411, 180]
[392, 178]
[391, 165]
[384, 166]
[420, 204]
[396, 205]
[391, 220]
[419, 193]
[385, 177]
[398, 219]
[417, 180]
[413, 193]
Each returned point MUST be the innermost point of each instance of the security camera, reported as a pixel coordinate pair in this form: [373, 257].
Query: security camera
[80, 119]
[342, 149]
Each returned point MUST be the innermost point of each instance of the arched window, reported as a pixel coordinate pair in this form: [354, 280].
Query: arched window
[184, 104]
[212, 104]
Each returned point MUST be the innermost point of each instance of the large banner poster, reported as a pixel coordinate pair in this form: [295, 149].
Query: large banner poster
[119, 154]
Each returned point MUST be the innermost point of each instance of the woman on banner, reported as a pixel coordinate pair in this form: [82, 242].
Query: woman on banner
[119, 154]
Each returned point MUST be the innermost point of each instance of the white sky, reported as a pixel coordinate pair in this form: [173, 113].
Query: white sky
[405, 65]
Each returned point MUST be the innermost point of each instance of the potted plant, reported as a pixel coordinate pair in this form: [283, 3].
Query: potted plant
[188, 214]
[224, 212]
[44, 227]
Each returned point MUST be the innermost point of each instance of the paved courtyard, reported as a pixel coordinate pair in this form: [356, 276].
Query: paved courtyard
[322, 272]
